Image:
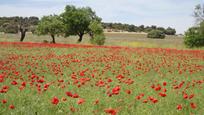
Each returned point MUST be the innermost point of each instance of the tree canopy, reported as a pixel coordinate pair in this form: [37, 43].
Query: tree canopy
[77, 20]
[51, 25]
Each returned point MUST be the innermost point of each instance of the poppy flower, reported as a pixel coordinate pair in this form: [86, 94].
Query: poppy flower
[69, 94]
[14, 83]
[4, 101]
[55, 100]
[12, 107]
[162, 94]
[164, 83]
[80, 101]
[111, 111]
[116, 90]
[193, 105]
[185, 96]
[191, 96]
[179, 107]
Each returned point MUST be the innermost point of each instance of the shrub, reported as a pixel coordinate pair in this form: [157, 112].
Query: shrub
[98, 39]
[156, 34]
[194, 37]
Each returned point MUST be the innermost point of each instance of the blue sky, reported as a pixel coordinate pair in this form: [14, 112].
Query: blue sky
[174, 13]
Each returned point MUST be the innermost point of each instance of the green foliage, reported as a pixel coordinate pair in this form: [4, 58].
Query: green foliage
[156, 34]
[96, 27]
[170, 31]
[96, 33]
[10, 28]
[194, 37]
[141, 28]
[98, 39]
[77, 20]
[51, 25]
[13, 24]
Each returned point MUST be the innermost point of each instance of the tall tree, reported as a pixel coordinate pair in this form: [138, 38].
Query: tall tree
[51, 25]
[77, 20]
[199, 13]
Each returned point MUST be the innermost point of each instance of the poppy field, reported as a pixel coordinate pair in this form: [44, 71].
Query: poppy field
[47, 79]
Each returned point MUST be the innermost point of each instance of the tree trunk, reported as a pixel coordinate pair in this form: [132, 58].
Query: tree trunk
[91, 35]
[23, 33]
[53, 39]
[80, 37]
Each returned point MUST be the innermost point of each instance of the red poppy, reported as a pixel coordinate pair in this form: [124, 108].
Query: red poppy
[80, 101]
[69, 94]
[191, 96]
[116, 90]
[75, 96]
[12, 107]
[4, 101]
[185, 96]
[111, 111]
[162, 94]
[193, 105]
[14, 83]
[164, 83]
[55, 100]
[179, 107]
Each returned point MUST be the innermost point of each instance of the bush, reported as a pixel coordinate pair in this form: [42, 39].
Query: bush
[194, 37]
[98, 39]
[156, 34]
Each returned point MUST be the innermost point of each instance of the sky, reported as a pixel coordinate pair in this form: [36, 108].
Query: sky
[164, 13]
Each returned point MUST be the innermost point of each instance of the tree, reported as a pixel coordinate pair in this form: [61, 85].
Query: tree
[170, 31]
[141, 28]
[77, 20]
[18, 24]
[131, 28]
[51, 25]
[161, 29]
[194, 37]
[199, 13]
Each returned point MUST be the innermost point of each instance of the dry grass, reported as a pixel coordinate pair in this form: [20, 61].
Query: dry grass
[113, 39]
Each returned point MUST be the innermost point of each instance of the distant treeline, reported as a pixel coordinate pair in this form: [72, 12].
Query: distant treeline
[132, 28]
[17, 24]
[12, 24]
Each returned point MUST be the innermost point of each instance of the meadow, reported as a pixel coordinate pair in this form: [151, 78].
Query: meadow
[81, 79]
[113, 39]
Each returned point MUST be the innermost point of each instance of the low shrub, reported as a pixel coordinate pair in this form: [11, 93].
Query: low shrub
[156, 34]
